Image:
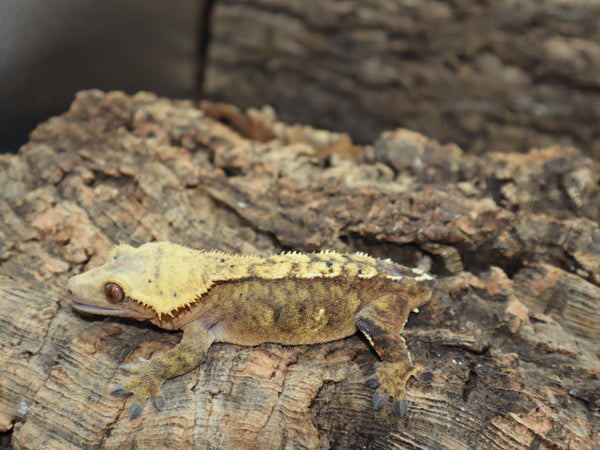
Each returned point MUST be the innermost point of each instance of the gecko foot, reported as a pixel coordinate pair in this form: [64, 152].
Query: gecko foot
[390, 378]
[145, 381]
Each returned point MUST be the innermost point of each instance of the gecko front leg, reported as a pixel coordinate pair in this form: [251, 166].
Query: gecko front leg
[381, 322]
[147, 376]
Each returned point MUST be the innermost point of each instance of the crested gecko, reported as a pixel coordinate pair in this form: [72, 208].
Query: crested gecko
[288, 298]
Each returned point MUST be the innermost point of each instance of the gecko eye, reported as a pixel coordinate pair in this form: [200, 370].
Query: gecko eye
[113, 292]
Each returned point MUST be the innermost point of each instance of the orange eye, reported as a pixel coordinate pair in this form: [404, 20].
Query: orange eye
[113, 292]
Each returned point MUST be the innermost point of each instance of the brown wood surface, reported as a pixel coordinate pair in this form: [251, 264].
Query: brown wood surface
[499, 75]
[512, 333]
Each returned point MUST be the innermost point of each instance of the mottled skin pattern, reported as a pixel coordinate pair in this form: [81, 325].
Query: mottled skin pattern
[290, 298]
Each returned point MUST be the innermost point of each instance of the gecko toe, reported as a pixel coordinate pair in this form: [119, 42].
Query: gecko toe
[372, 381]
[400, 407]
[158, 402]
[118, 390]
[424, 377]
[127, 369]
[379, 399]
[135, 410]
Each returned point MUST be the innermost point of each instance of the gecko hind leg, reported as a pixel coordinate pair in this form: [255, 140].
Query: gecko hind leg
[381, 322]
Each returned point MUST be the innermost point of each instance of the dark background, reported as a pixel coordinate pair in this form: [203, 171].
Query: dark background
[53, 48]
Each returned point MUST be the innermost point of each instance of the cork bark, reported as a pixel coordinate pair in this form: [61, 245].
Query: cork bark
[497, 75]
[511, 333]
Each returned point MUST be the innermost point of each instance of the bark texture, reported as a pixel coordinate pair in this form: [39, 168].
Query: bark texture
[489, 75]
[511, 334]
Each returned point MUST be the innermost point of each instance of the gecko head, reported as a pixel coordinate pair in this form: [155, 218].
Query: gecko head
[141, 283]
[110, 300]
[105, 290]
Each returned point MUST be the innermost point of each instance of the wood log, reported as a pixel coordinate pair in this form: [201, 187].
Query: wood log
[511, 333]
[489, 76]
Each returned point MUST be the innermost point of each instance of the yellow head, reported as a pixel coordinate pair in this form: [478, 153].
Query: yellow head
[153, 280]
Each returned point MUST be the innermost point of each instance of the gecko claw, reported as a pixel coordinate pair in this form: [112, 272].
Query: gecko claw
[400, 407]
[372, 381]
[424, 377]
[135, 410]
[118, 390]
[158, 402]
[127, 369]
[131, 368]
[379, 400]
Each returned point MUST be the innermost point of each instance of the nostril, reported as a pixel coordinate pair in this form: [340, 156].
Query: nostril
[70, 291]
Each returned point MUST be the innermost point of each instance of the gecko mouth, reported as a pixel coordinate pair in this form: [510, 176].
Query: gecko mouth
[88, 309]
